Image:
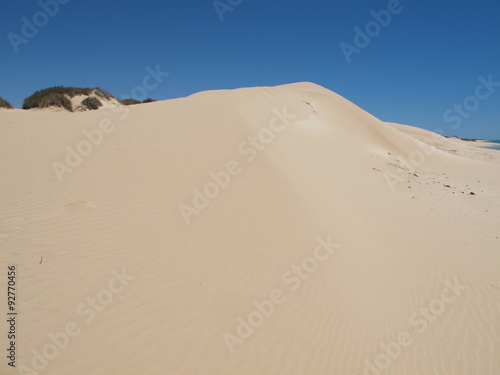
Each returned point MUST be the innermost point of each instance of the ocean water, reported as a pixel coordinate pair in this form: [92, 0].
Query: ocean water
[496, 146]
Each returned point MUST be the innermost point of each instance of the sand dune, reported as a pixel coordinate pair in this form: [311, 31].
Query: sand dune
[274, 230]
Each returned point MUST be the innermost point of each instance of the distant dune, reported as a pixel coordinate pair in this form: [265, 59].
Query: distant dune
[270, 230]
[72, 99]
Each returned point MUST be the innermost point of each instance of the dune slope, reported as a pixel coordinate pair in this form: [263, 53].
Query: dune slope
[277, 230]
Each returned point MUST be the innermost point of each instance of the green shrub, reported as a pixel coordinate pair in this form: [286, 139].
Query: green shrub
[148, 100]
[74, 91]
[39, 98]
[55, 100]
[5, 103]
[103, 94]
[129, 102]
[91, 103]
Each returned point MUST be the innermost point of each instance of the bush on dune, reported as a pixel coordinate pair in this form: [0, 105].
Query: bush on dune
[103, 94]
[55, 100]
[5, 103]
[59, 96]
[134, 101]
[130, 102]
[56, 94]
[91, 103]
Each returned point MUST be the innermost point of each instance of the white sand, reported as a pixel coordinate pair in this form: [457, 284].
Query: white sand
[76, 102]
[334, 172]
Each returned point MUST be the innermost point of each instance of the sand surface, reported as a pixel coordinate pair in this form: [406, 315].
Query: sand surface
[335, 243]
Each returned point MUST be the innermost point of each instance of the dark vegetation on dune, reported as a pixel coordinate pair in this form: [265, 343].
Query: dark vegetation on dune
[463, 139]
[91, 103]
[129, 102]
[58, 96]
[134, 101]
[5, 103]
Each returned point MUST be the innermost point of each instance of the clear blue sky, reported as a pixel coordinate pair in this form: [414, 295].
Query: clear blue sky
[427, 58]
